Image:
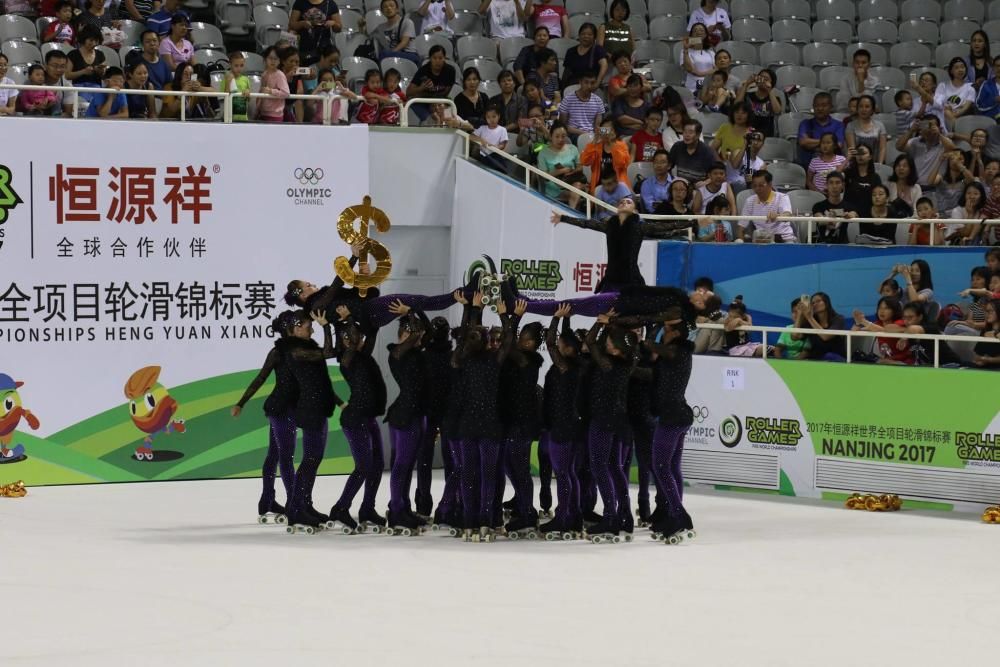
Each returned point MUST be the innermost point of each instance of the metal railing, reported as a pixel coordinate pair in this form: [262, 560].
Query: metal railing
[849, 334]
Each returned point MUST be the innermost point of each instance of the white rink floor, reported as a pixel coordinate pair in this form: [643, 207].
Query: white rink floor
[179, 573]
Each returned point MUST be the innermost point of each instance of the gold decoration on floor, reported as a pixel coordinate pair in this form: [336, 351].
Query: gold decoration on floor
[886, 502]
[13, 490]
[366, 214]
[992, 514]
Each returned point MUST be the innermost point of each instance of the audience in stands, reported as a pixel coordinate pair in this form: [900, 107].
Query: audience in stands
[974, 322]
[506, 17]
[582, 110]
[738, 343]
[644, 143]
[272, 82]
[552, 16]
[859, 82]
[970, 207]
[314, 21]
[470, 104]
[394, 36]
[629, 111]
[827, 160]
[623, 70]
[699, 58]
[859, 177]
[691, 157]
[436, 14]
[883, 207]
[508, 101]
[56, 63]
[237, 82]
[529, 57]
[714, 17]
[716, 231]
[35, 102]
[8, 96]
[140, 106]
[676, 117]
[925, 144]
[561, 159]
[110, 105]
[435, 78]
[956, 96]
[715, 95]
[86, 63]
[615, 34]
[768, 202]
[746, 162]
[606, 150]
[62, 30]
[788, 347]
[866, 130]
[611, 192]
[765, 105]
[834, 206]
[920, 233]
[888, 313]
[987, 351]
[490, 137]
[708, 309]
[160, 21]
[731, 137]
[585, 58]
[903, 184]
[138, 10]
[818, 314]
[656, 190]
[175, 48]
[812, 129]
[715, 185]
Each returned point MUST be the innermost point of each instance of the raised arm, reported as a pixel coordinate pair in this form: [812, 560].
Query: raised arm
[665, 229]
[596, 353]
[265, 372]
[582, 223]
[333, 292]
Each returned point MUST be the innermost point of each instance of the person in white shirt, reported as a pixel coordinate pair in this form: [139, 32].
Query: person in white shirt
[699, 59]
[768, 202]
[507, 17]
[715, 18]
[956, 96]
[436, 15]
[491, 137]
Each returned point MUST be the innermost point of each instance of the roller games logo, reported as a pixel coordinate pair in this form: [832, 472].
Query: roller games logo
[9, 199]
[760, 432]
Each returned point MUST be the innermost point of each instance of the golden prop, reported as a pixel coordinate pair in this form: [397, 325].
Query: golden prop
[992, 514]
[13, 490]
[366, 214]
[887, 502]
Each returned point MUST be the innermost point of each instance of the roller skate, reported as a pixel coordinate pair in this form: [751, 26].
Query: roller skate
[551, 531]
[670, 530]
[992, 514]
[592, 517]
[574, 530]
[447, 521]
[269, 511]
[404, 524]
[143, 454]
[320, 518]
[13, 490]
[369, 521]
[688, 525]
[522, 528]
[487, 534]
[628, 526]
[425, 506]
[509, 507]
[545, 502]
[642, 518]
[302, 522]
[12, 455]
[348, 526]
[604, 531]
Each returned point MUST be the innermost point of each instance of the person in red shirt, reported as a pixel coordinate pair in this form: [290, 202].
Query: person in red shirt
[644, 143]
[889, 314]
[61, 30]
[390, 112]
[552, 16]
[374, 95]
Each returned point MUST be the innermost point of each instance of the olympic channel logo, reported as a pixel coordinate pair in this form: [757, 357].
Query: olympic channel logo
[308, 175]
[730, 431]
[700, 413]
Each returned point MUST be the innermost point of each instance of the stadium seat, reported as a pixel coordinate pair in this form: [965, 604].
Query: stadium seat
[406, 68]
[636, 169]
[638, 7]
[373, 19]
[886, 10]
[510, 47]
[909, 54]
[270, 23]
[577, 20]
[235, 17]
[888, 104]
[966, 124]
[787, 176]
[819, 55]
[354, 68]
[111, 57]
[918, 30]
[833, 31]
[796, 75]
[210, 57]
[741, 198]
[835, 10]
[17, 28]
[476, 47]
[776, 54]
[752, 9]
[21, 53]
[776, 149]
[711, 122]
[489, 88]
[65, 48]
[878, 31]
[879, 53]
[466, 24]
[938, 72]
[591, 7]
[831, 77]
[802, 201]
[969, 10]
[254, 63]
[884, 171]
[751, 31]
[133, 32]
[798, 10]
[948, 50]
[889, 120]
[743, 72]
[648, 51]
[668, 28]
[489, 70]
[586, 137]
[992, 30]
[468, 6]
[741, 53]
[788, 125]
[920, 10]
[802, 101]
[889, 77]
[206, 36]
[640, 29]
[668, 8]
[958, 30]
[349, 43]
[993, 10]
[356, 5]
[350, 21]
[423, 44]
[561, 45]
[668, 74]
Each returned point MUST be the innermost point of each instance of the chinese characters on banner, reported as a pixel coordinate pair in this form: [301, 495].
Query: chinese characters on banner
[586, 275]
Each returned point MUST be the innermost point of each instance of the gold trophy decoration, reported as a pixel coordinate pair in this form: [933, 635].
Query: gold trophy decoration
[886, 502]
[992, 514]
[366, 214]
[14, 490]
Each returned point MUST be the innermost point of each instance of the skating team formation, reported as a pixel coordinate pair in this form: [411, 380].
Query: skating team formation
[611, 392]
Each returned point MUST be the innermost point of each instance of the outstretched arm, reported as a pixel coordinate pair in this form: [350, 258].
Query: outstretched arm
[257, 382]
[596, 353]
[334, 290]
[665, 229]
[582, 223]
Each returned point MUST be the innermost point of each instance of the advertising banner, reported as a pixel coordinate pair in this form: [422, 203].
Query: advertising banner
[930, 435]
[142, 268]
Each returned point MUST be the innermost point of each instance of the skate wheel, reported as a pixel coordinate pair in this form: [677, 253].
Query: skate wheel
[290, 530]
[406, 532]
[435, 527]
[691, 534]
[310, 530]
[262, 519]
[281, 519]
[453, 532]
[329, 525]
[347, 530]
[390, 531]
[514, 536]
[550, 537]
[567, 536]
[532, 535]
[376, 530]
[674, 539]
[616, 539]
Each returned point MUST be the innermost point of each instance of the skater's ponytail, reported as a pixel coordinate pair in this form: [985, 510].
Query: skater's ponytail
[282, 325]
[293, 297]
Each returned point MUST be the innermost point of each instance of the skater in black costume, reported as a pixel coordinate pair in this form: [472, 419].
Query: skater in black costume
[279, 410]
[437, 384]
[521, 416]
[642, 424]
[479, 422]
[358, 420]
[581, 460]
[612, 357]
[406, 415]
[562, 421]
[316, 403]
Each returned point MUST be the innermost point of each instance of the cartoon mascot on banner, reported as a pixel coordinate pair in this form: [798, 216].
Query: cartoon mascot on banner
[11, 414]
[152, 408]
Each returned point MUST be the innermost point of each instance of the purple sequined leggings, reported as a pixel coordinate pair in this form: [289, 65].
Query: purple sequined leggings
[544, 472]
[588, 487]
[405, 445]
[605, 465]
[588, 306]
[451, 497]
[518, 459]
[280, 454]
[668, 443]
[365, 441]
[480, 466]
[425, 464]
[378, 308]
[642, 445]
[313, 446]
[567, 484]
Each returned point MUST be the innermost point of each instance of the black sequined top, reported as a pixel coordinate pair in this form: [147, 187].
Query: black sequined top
[317, 399]
[479, 391]
[561, 393]
[327, 299]
[437, 383]
[283, 397]
[519, 382]
[367, 388]
[453, 406]
[406, 363]
[623, 242]
[608, 407]
[640, 389]
[671, 373]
